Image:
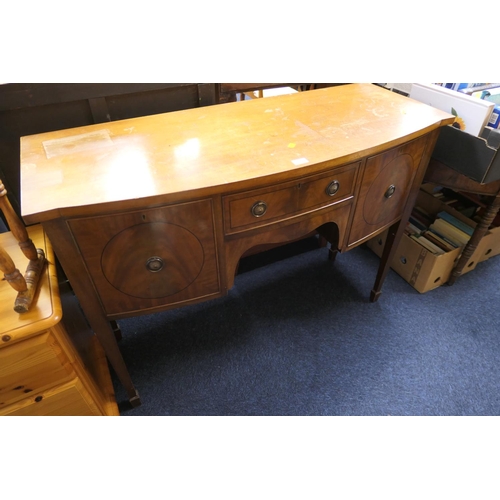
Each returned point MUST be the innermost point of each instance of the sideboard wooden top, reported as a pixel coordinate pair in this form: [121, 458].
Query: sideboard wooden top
[214, 148]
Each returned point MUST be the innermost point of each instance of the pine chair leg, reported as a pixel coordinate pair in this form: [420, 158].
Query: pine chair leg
[32, 277]
[25, 285]
[12, 275]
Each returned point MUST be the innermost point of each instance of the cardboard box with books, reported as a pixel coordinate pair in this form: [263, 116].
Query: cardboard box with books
[432, 243]
[472, 206]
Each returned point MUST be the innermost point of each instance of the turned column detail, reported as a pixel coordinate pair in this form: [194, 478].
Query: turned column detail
[24, 285]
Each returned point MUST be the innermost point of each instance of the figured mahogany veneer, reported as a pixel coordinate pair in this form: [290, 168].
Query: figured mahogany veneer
[149, 258]
[287, 200]
[153, 213]
[386, 184]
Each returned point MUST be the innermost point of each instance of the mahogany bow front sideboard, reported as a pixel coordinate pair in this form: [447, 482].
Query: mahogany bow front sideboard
[152, 213]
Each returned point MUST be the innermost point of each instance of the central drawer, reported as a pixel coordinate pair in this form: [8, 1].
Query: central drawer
[259, 207]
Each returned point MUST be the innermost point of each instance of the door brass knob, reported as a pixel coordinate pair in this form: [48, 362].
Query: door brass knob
[332, 188]
[259, 209]
[390, 191]
[154, 264]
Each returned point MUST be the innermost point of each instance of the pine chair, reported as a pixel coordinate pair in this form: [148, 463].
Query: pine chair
[25, 285]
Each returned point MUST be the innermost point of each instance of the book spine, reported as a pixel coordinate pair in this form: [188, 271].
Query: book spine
[445, 233]
[462, 226]
[438, 241]
[447, 240]
[452, 231]
[427, 244]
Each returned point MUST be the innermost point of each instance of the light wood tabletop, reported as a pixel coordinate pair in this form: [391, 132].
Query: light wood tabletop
[214, 147]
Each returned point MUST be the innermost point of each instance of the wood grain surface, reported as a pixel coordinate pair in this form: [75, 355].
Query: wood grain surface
[220, 148]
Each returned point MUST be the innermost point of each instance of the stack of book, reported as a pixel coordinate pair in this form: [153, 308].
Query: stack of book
[438, 234]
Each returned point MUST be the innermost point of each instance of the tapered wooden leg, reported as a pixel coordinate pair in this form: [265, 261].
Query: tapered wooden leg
[116, 329]
[106, 336]
[66, 250]
[104, 332]
[329, 234]
[332, 254]
[332, 251]
[476, 237]
[393, 238]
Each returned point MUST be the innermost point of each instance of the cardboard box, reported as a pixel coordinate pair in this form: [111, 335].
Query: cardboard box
[424, 270]
[489, 246]
[475, 157]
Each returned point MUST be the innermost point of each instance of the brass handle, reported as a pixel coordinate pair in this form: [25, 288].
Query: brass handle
[332, 188]
[259, 209]
[154, 264]
[390, 191]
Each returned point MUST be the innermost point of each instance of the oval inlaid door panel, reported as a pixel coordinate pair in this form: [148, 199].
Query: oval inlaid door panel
[387, 179]
[150, 258]
[152, 266]
[388, 191]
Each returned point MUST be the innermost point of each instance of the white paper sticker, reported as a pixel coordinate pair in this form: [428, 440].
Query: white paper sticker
[300, 161]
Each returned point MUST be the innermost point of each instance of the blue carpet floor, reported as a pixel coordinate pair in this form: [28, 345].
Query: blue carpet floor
[298, 336]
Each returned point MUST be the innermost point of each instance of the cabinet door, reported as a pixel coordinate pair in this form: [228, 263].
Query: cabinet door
[386, 183]
[150, 258]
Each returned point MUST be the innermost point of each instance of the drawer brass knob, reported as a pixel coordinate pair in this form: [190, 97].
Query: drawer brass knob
[332, 188]
[259, 209]
[154, 264]
[390, 191]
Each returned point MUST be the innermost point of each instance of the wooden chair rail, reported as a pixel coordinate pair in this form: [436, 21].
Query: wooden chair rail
[25, 284]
